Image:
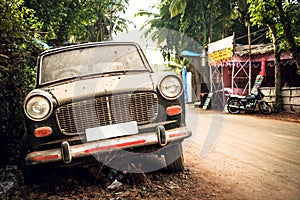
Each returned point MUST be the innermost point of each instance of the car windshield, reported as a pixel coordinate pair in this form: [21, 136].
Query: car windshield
[103, 59]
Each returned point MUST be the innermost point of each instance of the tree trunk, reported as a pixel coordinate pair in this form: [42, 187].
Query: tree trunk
[278, 96]
[196, 78]
[210, 26]
[286, 22]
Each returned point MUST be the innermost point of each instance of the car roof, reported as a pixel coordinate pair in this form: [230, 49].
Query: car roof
[88, 44]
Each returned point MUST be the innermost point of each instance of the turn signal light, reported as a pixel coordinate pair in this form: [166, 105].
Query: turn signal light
[42, 132]
[173, 110]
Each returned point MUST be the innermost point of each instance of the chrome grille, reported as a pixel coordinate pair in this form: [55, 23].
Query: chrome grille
[74, 118]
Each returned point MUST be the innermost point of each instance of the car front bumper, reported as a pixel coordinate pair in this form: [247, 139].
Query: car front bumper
[67, 152]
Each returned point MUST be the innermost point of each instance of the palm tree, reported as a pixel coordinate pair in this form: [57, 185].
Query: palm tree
[106, 19]
[213, 14]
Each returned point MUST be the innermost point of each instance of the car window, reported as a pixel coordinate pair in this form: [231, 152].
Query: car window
[88, 61]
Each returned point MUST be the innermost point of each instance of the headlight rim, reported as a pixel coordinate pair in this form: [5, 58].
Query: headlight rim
[43, 95]
[161, 90]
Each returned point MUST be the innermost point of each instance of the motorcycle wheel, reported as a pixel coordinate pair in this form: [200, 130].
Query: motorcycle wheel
[233, 106]
[264, 108]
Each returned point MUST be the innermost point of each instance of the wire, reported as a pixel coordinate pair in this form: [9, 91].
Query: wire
[258, 37]
[250, 34]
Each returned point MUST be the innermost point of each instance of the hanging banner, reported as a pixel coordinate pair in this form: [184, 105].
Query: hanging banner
[221, 50]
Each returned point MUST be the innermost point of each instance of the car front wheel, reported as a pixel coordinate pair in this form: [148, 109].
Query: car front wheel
[174, 158]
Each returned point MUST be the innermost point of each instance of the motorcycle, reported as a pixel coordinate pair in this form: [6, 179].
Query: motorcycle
[237, 103]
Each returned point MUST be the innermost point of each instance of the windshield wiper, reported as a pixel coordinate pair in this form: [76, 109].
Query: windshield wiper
[122, 72]
[119, 72]
[103, 74]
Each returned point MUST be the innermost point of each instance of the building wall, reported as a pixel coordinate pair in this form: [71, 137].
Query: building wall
[291, 97]
[289, 76]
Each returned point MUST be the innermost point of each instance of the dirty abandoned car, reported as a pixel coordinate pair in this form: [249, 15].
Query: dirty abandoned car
[97, 98]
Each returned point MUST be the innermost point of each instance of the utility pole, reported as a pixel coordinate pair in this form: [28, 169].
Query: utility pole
[249, 43]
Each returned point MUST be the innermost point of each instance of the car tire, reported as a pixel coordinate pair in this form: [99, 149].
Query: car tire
[32, 175]
[174, 158]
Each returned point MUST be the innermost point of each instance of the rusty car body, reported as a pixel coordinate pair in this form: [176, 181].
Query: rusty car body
[95, 98]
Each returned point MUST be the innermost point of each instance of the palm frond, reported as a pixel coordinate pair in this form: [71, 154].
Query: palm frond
[177, 7]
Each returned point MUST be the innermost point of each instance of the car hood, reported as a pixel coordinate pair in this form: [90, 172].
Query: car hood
[81, 89]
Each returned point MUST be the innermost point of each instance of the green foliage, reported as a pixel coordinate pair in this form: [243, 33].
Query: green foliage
[199, 20]
[21, 21]
[266, 13]
[191, 19]
[177, 7]
[262, 12]
[18, 53]
[79, 21]
[161, 26]
[210, 20]
[204, 19]
[282, 19]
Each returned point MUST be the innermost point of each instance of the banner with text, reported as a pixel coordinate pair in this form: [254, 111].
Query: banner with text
[221, 50]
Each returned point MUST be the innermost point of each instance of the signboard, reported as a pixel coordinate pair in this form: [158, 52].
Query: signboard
[257, 83]
[221, 50]
[206, 103]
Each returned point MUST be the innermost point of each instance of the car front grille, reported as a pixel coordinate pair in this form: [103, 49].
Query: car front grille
[75, 117]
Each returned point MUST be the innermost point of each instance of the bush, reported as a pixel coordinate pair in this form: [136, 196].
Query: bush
[17, 73]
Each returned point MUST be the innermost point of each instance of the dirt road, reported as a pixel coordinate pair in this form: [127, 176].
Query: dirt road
[254, 158]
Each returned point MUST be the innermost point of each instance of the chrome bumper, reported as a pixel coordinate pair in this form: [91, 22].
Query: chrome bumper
[67, 152]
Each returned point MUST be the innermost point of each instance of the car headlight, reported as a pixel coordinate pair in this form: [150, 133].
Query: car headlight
[170, 87]
[38, 107]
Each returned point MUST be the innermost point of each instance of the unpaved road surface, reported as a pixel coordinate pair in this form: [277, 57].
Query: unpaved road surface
[254, 158]
[228, 157]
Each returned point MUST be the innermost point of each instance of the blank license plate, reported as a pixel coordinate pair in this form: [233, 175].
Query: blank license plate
[110, 131]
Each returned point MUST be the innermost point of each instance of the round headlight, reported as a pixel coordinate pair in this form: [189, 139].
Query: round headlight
[38, 107]
[170, 87]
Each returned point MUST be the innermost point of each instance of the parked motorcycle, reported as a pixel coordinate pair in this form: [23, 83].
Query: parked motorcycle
[237, 103]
